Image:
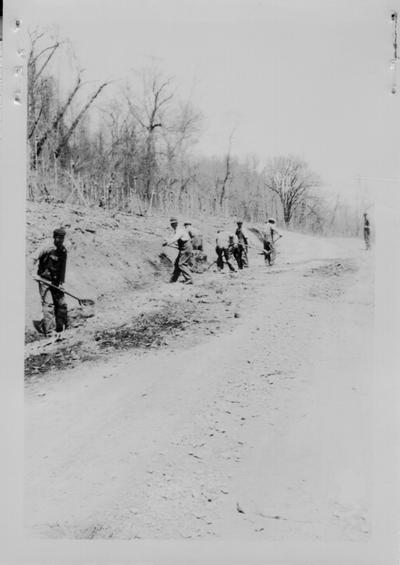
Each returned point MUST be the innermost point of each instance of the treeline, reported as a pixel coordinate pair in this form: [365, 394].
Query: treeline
[133, 150]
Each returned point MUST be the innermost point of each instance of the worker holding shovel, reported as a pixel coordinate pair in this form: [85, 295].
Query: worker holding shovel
[181, 240]
[224, 248]
[270, 237]
[49, 265]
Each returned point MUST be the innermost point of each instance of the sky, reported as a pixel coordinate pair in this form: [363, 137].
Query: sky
[304, 77]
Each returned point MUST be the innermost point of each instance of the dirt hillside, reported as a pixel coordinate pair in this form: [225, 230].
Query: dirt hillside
[239, 407]
[109, 254]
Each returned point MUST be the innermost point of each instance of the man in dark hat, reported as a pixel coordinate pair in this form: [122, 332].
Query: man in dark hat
[242, 246]
[185, 251]
[49, 264]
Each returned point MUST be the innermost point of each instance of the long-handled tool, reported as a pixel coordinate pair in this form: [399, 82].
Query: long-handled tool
[211, 264]
[82, 301]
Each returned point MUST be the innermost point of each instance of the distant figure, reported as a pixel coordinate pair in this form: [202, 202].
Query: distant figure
[195, 236]
[242, 245]
[270, 236]
[185, 251]
[224, 249]
[366, 231]
[51, 262]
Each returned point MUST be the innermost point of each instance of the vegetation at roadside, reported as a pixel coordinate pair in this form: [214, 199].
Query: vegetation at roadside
[131, 147]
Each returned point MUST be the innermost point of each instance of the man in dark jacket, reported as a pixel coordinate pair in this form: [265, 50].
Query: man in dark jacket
[49, 264]
[242, 245]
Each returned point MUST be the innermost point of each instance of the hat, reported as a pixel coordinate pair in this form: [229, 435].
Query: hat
[59, 231]
[187, 224]
[173, 221]
[271, 220]
[239, 222]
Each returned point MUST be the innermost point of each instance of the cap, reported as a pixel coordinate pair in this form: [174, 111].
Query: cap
[173, 221]
[59, 231]
[271, 220]
[187, 224]
[239, 222]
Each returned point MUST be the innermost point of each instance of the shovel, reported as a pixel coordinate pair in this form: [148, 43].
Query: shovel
[213, 263]
[82, 301]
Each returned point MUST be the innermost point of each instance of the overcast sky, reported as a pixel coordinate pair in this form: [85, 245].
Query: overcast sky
[309, 77]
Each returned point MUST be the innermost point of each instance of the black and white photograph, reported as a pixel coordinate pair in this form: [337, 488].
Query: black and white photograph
[205, 186]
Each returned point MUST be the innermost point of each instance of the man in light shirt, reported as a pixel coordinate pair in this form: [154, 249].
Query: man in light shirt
[224, 249]
[195, 235]
[366, 231]
[270, 237]
[184, 258]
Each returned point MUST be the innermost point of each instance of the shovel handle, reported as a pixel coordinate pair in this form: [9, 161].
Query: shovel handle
[49, 284]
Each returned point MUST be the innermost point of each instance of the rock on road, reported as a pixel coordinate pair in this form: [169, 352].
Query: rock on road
[260, 432]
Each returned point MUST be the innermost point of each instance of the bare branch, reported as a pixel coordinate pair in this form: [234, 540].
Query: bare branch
[78, 119]
[58, 117]
[35, 123]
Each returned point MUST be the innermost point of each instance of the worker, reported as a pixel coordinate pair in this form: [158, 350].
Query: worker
[195, 236]
[224, 249]
[235, 251]
[366, 231]
[49, 264]
[184, 258]
[243, 245]
[270, 237]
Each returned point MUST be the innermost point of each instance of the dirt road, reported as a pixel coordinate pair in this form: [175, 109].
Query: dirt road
[260, 430]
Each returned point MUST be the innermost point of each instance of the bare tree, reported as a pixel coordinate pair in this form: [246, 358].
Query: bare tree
[38, 61]
[228, 173]
[46, 113]
[64, 139]
[291, 179]
[55, 121]
[149, 112]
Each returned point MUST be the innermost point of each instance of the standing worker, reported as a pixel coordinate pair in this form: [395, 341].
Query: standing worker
[235, 251]
[270, 237]
[366, 231]
[195, 235]
[224, 249]
[185, 251]
[51, 262]
[243, 245]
